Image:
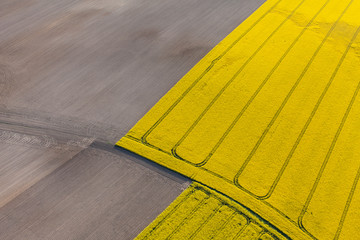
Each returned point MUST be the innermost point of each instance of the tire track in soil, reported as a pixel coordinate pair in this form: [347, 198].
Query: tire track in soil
[43, 130]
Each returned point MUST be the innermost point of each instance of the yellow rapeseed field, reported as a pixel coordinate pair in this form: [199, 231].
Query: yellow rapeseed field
[201, 213]
[271, 118]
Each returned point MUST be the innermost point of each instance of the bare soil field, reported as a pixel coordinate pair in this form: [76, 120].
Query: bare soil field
[75, 76]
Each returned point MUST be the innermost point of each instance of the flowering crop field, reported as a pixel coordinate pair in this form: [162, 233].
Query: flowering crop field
[270, 118]
[201, 213]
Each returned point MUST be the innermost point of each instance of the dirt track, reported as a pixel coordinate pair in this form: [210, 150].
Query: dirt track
[75, 76]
